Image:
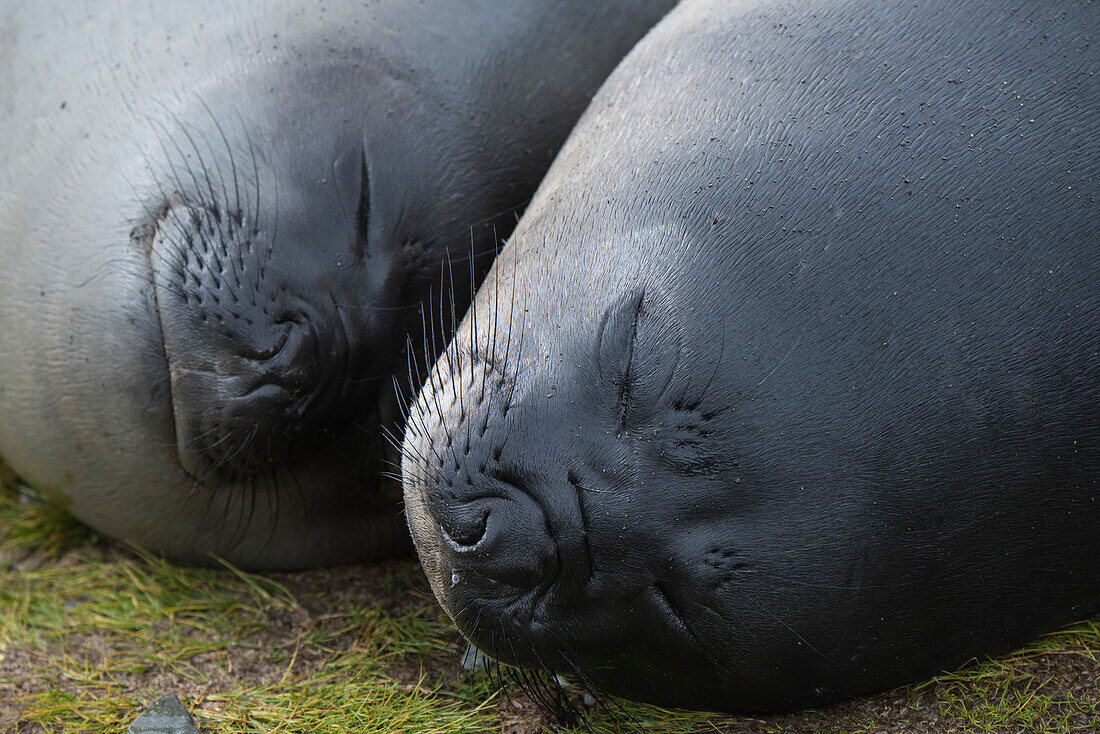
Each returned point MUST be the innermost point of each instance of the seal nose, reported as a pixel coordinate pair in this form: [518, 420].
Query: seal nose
[503, 539]
[291, 362]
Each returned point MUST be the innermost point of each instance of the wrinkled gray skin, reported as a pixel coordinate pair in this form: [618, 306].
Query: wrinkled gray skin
[217, 223]
[786, 387]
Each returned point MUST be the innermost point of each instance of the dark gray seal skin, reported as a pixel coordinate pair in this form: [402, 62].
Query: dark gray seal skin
[786, 388]
[217, 223]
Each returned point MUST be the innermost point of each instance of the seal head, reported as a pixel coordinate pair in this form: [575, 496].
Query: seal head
[219, 225]
[785, 387]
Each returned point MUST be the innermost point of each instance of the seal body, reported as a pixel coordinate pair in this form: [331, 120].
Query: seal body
[786, 387]
[218, 223]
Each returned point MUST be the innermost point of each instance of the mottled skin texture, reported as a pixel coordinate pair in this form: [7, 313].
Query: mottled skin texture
[218, 221]
[786, 387]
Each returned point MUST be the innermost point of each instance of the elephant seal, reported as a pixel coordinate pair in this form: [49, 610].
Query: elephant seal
[786, 387]
[217, 224]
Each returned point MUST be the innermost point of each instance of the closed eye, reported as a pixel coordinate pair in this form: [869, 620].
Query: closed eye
[639, 359]
[617, 339]
[363, 209]
[626, 381]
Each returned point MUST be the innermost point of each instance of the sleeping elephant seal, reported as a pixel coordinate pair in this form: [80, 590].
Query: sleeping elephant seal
[786, 387]
[217, 223]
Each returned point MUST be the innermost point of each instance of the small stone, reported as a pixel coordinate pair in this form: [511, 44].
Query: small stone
[166, 716]
[474, 659]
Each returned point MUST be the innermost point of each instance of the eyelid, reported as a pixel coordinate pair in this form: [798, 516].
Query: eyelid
[616, 337]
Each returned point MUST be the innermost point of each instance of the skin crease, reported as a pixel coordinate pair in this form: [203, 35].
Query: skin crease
[218, 222]
[785, 388]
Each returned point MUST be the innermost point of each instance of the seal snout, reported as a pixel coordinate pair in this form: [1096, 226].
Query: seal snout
[253, 368]
[482, 522]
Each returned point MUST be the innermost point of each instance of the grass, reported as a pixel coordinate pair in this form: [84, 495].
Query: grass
[92, 632]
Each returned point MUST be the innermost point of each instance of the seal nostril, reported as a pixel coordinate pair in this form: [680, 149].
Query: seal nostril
[263, 355]
[465, 536]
